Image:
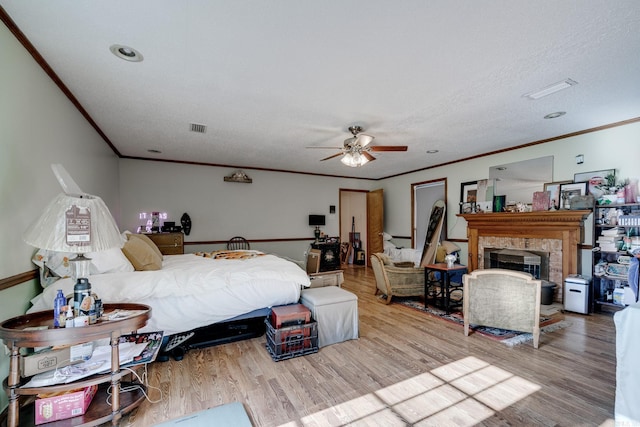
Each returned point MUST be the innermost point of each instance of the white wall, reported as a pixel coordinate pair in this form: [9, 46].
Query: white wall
[616, 148]
[39, 126]
[275, 206]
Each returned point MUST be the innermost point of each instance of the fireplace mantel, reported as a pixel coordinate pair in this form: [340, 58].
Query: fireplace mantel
[564, 225]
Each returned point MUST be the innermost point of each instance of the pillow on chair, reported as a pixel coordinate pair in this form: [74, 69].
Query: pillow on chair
[385, 259]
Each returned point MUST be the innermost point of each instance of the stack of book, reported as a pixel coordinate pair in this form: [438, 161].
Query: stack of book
[609, 240]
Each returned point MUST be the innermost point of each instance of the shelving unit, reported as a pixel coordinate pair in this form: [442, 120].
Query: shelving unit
[15, 336]
[621, 222]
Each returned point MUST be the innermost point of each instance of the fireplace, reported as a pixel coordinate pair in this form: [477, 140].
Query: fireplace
[556, 233]
[535, 263]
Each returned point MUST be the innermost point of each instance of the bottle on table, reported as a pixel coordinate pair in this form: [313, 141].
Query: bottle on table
[58, 312]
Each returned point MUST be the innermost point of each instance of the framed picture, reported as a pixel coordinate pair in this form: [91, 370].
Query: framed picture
[554, 193]
[594, 178]
[567, 191]
[468, 196]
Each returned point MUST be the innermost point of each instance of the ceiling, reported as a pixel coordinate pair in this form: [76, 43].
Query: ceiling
[270, 78]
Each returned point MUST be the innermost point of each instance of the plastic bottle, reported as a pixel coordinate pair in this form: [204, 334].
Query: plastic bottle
[69, 318]
[58, 312]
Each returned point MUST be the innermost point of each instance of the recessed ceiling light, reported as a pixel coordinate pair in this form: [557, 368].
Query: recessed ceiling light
[125, 52]
[154, 151]
[556, 87]
[555, 115]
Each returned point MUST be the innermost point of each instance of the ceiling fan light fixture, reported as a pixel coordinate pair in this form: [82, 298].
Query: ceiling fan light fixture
[354, 160]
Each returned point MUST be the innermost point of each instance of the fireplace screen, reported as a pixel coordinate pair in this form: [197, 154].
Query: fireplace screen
[533, 262]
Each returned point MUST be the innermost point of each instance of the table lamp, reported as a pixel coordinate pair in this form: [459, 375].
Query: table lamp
[74, 223]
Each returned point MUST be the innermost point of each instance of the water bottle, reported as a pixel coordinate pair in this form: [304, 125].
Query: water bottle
[58, 312]
[81, 289]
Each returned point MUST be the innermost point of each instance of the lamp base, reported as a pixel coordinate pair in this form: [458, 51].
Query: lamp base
[316, 233]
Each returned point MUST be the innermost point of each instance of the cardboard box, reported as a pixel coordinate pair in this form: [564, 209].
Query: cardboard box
[60, 406]
[44, 361]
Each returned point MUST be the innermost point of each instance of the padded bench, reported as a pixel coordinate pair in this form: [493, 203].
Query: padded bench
[336, 311]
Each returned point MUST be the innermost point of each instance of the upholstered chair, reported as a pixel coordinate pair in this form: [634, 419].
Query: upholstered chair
[396, 281]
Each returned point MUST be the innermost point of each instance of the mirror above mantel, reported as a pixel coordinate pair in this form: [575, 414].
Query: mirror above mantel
[519, 180]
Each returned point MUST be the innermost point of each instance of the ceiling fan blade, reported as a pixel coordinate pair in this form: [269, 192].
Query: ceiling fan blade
[332, 148]
[363, 139]
[368, 156]
[331, 157]
[388, 148]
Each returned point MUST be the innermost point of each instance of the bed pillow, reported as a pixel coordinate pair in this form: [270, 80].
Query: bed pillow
[388, 245]
[386, 236]
[109, 261]
[141, 255]
[56, 262]
[148, 241]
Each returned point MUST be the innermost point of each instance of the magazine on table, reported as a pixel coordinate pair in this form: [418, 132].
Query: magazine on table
[133, 349]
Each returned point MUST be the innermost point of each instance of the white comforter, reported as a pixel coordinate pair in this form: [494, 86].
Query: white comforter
[192, 291]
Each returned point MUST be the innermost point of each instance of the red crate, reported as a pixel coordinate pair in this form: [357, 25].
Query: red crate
[288, 315]
[292, 341]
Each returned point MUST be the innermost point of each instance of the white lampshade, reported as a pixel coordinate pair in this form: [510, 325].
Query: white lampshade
[76, 224]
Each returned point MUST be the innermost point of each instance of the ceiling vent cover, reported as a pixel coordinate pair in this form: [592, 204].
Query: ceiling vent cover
[195, 127]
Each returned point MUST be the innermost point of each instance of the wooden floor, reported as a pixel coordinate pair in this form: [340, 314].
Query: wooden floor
[406, 369]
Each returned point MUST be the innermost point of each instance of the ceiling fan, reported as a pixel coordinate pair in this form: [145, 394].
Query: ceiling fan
[356, 149]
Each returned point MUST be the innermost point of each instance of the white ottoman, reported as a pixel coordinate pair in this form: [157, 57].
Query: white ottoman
[335, 310]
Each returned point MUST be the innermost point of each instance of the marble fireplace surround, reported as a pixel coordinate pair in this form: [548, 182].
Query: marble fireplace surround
[556, 232]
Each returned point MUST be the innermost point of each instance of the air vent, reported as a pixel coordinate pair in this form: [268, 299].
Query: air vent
[195, 127]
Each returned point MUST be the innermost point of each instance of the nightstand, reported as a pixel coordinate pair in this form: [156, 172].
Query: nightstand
[168, 243]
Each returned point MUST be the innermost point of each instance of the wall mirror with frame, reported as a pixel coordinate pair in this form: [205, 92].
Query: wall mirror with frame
[519, 180]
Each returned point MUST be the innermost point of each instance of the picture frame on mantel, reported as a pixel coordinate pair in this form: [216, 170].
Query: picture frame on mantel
[468, 196]
[567, 191]
[554, 193]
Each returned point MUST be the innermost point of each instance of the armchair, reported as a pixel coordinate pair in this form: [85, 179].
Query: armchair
[396, 281]
[503, 299]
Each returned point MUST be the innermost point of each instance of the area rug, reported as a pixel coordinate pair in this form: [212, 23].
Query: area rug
[507, 337]
[229, 415]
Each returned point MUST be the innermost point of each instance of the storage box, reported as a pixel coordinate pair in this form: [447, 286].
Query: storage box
[292, 341]
[56, 406]
[618, 296]
[287, 315]
[326, 278]
[44, 361]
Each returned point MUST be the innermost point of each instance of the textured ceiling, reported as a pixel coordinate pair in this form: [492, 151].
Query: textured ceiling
[269, 78]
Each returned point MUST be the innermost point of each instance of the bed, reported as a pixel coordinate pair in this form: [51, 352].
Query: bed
[193, 290]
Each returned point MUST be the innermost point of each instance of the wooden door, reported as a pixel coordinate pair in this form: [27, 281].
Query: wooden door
[375, 222]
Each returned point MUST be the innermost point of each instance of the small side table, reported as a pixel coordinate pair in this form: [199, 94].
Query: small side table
[442, 297]
[14, 335]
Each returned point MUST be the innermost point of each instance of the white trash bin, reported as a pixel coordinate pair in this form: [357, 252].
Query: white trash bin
[576, 293]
